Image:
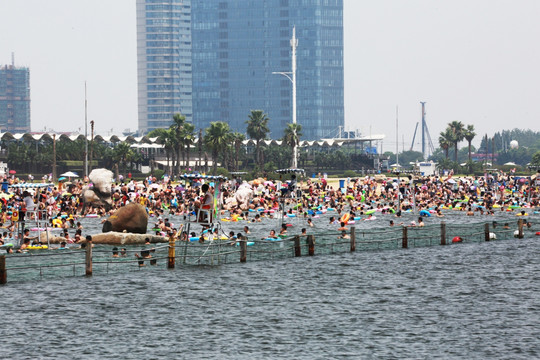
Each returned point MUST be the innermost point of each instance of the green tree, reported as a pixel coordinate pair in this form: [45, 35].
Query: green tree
[257, 129]
[535, 160]
[469, 135]
[188, 137]
[457, 130]
[291, 137]
[177, 126]
[217, 139]
[238, 138]
[407, 157]
[167, 138]
[445, 141]
[123, 154]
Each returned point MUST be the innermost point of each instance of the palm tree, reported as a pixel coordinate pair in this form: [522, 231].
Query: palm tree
[457, 130]
[238, 138]
[188, 135]
[123, 154]
[469, 135]
[257, 129]
[178, 124]
[291, 137]
[166, 137]
[445, 141]
[218, 137]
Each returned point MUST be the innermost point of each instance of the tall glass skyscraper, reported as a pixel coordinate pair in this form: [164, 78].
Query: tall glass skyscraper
[236, 45]
[14, 99]
[163, 62]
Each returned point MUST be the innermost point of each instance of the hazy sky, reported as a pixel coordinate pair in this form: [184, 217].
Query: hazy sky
[477, 61]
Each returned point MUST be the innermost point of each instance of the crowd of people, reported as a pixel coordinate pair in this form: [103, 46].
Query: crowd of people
[363, 198]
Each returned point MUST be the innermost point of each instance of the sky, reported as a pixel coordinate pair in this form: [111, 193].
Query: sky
[475, 61]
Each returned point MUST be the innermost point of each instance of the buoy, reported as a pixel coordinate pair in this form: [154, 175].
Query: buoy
[457, 239]
[350, 222]
[291, 215]
[492, 236]
[289, 225]
[425, 213]
[251, 243]
[538, 233]
[37, 247]
[15, 215]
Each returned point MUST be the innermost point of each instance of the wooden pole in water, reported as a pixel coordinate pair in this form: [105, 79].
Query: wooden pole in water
[88, 257]
[353, 239]
[404, 242]
[311, 245]
[243, 249]
[443, 233]
[520, 229]
[172, 253]
[297, 248]
[3, 272]
[486, 231]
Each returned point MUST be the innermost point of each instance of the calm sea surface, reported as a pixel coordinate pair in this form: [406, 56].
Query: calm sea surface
[472, 301]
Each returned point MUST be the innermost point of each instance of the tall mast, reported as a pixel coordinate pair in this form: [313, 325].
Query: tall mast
[397, 139]
[294, 44]
[423, 130]
[85, 132]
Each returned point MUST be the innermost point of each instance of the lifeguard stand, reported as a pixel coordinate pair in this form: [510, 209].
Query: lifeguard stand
[203, 216]
[291, 192]
[34, 219]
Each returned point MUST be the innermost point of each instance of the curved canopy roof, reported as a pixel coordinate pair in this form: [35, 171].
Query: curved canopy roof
[140, 140]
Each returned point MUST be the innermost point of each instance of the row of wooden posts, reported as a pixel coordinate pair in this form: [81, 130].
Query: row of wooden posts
[243, 247]
[311, 242]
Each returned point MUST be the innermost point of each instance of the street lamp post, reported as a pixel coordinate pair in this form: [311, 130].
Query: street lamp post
[292, 77]
[85, 132]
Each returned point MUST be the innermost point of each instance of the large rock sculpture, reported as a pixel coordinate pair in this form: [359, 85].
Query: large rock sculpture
[98, 192]
[131, 218]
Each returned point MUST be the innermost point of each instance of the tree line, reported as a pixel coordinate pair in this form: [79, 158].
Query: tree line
[223, 144]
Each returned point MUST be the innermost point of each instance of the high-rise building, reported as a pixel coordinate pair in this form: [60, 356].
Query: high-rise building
[163, 62]
[14, 99]
[236, 47]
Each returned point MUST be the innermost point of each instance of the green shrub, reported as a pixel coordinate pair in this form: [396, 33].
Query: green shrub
[223, 172]
[350, 173]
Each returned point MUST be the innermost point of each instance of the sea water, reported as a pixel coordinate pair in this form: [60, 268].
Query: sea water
[471, 300]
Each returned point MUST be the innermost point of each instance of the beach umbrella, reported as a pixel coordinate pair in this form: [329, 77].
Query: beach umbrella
[69, 174]
[12, 172]
[62, 178]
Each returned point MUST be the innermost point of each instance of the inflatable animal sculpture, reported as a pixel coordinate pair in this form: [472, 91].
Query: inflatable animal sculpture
[98, 192]
[243, 195]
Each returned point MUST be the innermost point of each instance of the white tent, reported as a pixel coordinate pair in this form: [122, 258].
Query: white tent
[70, 174]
